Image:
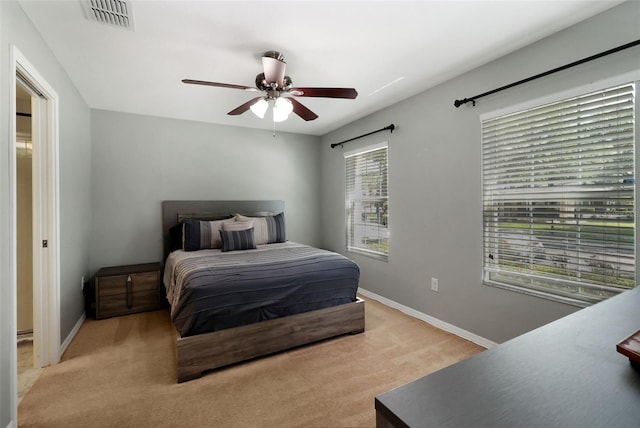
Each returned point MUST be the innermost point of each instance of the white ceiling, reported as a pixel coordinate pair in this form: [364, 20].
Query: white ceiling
[387, 50]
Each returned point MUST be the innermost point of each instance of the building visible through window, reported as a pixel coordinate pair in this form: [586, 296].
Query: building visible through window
[559, 197]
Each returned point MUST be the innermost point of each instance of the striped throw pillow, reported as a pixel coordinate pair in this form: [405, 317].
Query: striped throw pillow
[202, 235]
[233, 240]
[268, 230]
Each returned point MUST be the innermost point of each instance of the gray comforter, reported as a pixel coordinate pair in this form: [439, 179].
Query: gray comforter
[209, 290]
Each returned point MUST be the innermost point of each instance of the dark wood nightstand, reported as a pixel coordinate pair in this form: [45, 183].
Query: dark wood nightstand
[122, 290]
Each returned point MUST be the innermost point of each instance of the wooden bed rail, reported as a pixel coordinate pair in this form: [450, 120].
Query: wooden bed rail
[198, 354]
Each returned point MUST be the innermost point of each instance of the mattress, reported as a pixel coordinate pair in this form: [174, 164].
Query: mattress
[211, 290]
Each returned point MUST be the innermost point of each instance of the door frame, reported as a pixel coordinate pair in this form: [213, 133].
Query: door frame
[46, 261]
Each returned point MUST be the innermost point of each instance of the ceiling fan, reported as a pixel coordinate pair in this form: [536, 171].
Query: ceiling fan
[278, 90]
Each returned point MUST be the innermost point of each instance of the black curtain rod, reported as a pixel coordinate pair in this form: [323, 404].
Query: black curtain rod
[386, 128]
[23, 114]
[458, 103]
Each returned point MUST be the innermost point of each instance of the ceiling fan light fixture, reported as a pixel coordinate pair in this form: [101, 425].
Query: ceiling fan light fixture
[282, 109]
[259, 108]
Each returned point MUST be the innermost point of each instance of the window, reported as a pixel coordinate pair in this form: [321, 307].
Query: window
[558, 197]
[367, 201]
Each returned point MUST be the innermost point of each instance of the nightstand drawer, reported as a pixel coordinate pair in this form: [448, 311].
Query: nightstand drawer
[109, 285]
[118, 304]
[122, 290]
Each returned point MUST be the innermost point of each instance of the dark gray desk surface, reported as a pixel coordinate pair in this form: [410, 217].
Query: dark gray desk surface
[564, 374]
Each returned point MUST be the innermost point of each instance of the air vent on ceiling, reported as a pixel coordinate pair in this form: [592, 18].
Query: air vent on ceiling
[111, 12]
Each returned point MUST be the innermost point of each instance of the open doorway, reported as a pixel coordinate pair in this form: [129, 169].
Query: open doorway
[28, 362]
[39, 150]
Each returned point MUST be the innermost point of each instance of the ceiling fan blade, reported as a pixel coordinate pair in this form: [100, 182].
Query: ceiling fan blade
[325, 92]
[302, 111]
[222, 85]
[244, 107]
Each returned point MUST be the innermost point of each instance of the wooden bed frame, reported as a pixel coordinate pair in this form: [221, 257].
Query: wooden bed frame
[208, 351]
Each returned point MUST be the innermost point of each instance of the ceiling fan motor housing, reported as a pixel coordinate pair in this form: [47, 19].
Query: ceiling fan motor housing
[261, 83]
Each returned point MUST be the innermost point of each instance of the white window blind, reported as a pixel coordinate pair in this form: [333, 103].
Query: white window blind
[367, 201]
[558, 191]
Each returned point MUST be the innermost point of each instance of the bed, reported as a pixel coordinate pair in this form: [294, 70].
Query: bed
[249, 300]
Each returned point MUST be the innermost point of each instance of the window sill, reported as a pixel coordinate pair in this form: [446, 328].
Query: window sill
[540, 294]
[376, 256]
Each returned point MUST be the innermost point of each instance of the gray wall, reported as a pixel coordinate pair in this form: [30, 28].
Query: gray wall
[139, 161]
[74, 158]
[435, 179]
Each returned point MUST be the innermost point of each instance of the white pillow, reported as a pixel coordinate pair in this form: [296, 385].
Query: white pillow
[260, 228]
[237, 225]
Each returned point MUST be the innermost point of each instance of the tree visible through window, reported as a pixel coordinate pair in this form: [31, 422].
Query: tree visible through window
[558, 191]
[367, 201]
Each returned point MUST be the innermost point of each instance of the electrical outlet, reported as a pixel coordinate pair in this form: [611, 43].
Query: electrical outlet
[434, 284]
[82, 283]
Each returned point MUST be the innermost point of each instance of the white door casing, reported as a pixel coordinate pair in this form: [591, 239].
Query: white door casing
[46, 214]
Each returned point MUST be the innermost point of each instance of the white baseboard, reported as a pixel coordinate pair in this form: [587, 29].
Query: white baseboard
[478, 340]
[71, 335]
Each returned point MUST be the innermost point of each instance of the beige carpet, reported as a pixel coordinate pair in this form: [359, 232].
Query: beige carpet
[120, 372]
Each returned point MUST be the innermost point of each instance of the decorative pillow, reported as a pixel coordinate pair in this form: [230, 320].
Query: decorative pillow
[268, 229]
[238, 225]
[233, 240]
[202, 235]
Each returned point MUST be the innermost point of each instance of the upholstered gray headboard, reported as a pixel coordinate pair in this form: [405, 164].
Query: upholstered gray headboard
[172, 211]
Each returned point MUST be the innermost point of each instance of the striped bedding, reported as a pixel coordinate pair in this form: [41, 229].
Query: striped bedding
[210, 290]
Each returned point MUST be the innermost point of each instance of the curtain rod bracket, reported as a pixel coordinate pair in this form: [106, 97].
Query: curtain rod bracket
[458, 103]
[386, 128]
